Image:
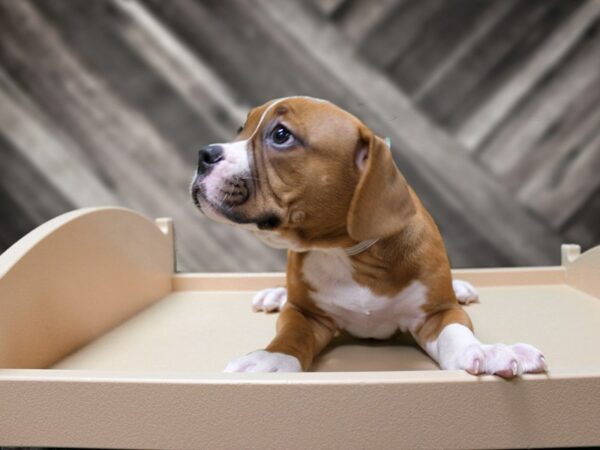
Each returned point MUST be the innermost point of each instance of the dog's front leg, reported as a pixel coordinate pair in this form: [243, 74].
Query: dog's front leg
[299, 339]
[448, 338]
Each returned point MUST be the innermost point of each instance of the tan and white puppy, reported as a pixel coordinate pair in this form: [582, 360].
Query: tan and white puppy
[364, 254]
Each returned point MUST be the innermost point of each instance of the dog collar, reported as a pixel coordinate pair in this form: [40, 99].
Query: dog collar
[360, 247]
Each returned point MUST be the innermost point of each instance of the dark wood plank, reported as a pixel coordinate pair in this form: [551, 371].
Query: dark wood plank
[26, 198]
[395, 33]
[583, 227]
[244, 51]
[445, 30]
[329, 7]
[569, 177]
[360, 17]
[493, 61]
[94, 32]
[449, 57]
[49, 151]
[548, 117]
[499, 106]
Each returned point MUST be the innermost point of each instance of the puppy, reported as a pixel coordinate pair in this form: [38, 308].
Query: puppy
[364, 255]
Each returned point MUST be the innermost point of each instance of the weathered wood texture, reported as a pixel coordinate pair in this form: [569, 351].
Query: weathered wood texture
[492, 107]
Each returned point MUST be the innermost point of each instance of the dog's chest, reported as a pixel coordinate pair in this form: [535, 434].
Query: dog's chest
[354, 307]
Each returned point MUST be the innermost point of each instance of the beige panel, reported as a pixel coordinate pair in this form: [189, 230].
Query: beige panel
[75, 277]
[380, 410]
[226, 281]
[583, 271]
[256, 281]
[200, 331]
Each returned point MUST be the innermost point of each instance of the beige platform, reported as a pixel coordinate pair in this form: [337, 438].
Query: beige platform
[102, 345]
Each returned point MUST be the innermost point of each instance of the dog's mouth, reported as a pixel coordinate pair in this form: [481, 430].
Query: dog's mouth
[232, 194]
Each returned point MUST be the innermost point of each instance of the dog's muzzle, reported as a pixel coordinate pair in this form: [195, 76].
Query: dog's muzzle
[230, 192]
[235, 192]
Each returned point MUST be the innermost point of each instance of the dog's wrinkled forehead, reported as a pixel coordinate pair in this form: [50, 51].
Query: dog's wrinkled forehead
[260, 116]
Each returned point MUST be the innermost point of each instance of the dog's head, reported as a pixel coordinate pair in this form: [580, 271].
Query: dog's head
[303, 173]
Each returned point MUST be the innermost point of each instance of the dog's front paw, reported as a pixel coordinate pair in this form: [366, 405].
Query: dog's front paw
[465, 292]
[270, 300]
[506, 361]
[264, 361]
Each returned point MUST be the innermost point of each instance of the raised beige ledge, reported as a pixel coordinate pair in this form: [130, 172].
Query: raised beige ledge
[104, 346]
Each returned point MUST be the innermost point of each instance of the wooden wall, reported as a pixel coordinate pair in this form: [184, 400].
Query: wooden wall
[491, 105]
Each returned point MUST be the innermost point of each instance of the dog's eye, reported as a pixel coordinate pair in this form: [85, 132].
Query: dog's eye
[281, 135]
[239, 130]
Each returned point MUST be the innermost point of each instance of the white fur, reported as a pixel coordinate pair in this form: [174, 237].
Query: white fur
[355, 308]
[457, 348]
[264, 361]
[275, 240]
[269, 300]
[465, 292]
[235, 164]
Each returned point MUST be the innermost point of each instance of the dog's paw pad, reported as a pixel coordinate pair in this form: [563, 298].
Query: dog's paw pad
[531, 359]
[270, 300]
[471, 359]
[465, 292]
[264, 361]
[506, 361]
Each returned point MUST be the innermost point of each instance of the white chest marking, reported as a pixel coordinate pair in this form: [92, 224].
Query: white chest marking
[355, 308]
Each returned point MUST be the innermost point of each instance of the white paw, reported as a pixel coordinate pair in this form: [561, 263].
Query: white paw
[269, 300]
[503, 360]
[264, 361]
[465, 292]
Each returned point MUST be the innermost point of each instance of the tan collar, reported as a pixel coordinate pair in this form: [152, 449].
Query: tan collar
[360, 247]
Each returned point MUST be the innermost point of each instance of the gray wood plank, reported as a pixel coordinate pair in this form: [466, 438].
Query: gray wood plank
[449, 48]
[245, 53]
[361, 17]
[28, 131]
[26, 197]
[95, 32]
[583, 227]
[329, 7]
[550, 114]
[18, 225]
[568, 177]
[196, 82]
[484, 119]
[493, 61]
[395, 33]
[445, 30]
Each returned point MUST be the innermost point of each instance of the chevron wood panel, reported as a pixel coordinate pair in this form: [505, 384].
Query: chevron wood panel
[491, 106]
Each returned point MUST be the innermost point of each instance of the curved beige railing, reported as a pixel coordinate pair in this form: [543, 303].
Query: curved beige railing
[76, 276]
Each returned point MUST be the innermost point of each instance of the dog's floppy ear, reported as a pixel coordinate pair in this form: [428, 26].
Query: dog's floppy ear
[381, 203]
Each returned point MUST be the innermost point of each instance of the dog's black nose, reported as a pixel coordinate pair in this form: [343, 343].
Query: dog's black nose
[208, 157]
